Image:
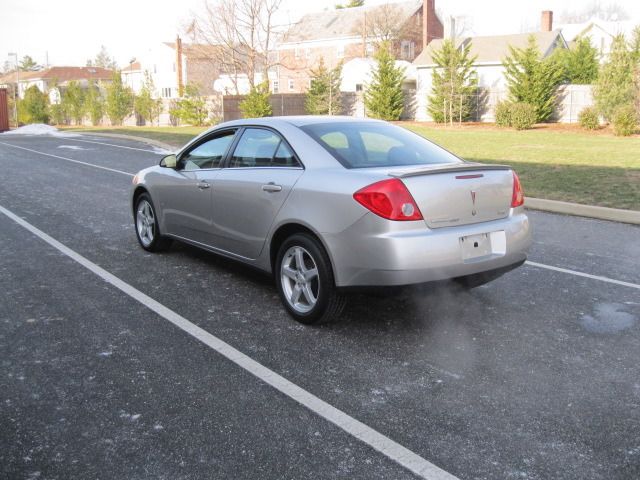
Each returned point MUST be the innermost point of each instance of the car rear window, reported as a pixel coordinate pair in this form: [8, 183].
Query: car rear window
[369, 144]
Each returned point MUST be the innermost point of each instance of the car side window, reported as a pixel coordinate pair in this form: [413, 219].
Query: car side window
[208, 154]
[262, 148]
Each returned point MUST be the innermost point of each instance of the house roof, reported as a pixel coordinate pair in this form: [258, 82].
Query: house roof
[9, 78]
[132, 67]
[340, 23]
[571, 31]
[196, 50]
[65, 74]
[493, 49]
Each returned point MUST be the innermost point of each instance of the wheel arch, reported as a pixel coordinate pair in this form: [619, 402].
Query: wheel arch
[284, 231]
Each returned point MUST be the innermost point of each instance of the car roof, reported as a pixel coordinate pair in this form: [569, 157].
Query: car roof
[297, 120]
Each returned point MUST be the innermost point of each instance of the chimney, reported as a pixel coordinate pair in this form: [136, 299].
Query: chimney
[547, 21]
[431, 25]
[179, 65]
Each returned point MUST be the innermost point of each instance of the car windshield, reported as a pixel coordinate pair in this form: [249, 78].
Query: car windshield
[370, 144]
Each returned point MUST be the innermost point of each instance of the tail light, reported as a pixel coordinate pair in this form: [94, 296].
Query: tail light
[389, 199]
[517, 198]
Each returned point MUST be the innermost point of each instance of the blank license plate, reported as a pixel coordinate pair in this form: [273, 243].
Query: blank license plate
[483, 245]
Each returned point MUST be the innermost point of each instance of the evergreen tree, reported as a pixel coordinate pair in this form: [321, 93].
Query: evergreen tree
[635, 45]
[324, 96]
[119, 100]
[192, 107]
[454, 84]
[94, 104]
[615, 87]
[34, 108]
[73, 102]
[145, 103]
[103, 59]
[580, 63]
[384, 98]
[28, 64]
[256, 104]
[532, 79]
[350, 4]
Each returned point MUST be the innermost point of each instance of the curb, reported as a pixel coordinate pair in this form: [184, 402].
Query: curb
[553, 206]
[580, 210]
[148, 141]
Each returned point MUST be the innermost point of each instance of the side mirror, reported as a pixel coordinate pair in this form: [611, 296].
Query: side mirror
[170, 161]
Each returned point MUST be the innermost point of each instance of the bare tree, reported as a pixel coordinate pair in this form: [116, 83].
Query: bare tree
[608, 12]
[382, 24]
[240, 34]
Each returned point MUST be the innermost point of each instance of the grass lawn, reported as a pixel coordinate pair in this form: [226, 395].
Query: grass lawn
[554, 162]
[175, 136]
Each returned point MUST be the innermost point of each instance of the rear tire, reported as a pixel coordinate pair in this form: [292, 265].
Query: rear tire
[146, 225]
[305, 281]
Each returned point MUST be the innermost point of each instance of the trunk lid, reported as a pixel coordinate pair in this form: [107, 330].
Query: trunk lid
[459, 194]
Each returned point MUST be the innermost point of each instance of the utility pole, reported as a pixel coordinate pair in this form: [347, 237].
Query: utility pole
[15, 101]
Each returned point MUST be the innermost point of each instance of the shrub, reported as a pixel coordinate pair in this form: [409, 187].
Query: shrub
[34, 108]
[625, 120]
[523, 115]
[589, 118]
[503, 114]
[256, 104]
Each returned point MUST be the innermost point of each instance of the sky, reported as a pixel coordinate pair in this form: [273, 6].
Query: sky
[69, 32]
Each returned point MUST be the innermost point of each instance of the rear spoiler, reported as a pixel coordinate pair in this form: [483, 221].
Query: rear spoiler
[446, 168]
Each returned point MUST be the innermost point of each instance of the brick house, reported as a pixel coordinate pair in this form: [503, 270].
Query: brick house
[344, 34]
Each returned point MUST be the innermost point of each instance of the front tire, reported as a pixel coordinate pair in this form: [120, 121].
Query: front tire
[305, 281]
[146, 225]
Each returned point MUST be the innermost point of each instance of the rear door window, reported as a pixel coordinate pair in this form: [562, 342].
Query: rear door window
[259, 147]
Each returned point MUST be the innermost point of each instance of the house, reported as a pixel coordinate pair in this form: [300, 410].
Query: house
[51, 77]
[344, 34]
[357, 73]
[490, 51]
[599, 32]
[171, 66]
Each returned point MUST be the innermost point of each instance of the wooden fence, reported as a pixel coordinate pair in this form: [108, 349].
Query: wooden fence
[4, 110]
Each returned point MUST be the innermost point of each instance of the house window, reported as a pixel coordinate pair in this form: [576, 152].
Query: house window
[297, 53]
[307, 53]
[406, 50]
[276, 86]
[358, 87]
[166, 92]
[340, 53]
[291, 86]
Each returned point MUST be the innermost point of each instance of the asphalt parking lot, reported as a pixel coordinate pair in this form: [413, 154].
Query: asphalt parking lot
[534, 376]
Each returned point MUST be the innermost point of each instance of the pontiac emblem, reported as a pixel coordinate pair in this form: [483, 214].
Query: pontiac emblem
[473, 200]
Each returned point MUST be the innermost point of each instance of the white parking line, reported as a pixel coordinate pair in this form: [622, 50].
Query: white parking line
[383, 444]
[115, 145]
[582, 274]
[69, 159]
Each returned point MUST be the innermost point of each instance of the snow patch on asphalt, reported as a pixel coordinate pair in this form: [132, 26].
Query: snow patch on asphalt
[39, 129]
[72, 147]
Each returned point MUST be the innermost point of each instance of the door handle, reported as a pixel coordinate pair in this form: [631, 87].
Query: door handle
[203, 185]
[271, 187]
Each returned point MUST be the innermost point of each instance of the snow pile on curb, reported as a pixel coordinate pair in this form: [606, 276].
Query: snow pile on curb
[39, 129]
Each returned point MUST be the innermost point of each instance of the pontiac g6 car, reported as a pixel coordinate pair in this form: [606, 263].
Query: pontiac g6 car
[328, 203]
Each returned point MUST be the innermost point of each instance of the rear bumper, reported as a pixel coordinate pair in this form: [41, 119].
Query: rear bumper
[376, 252]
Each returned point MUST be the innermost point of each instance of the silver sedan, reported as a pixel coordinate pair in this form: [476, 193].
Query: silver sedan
[329, 203]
